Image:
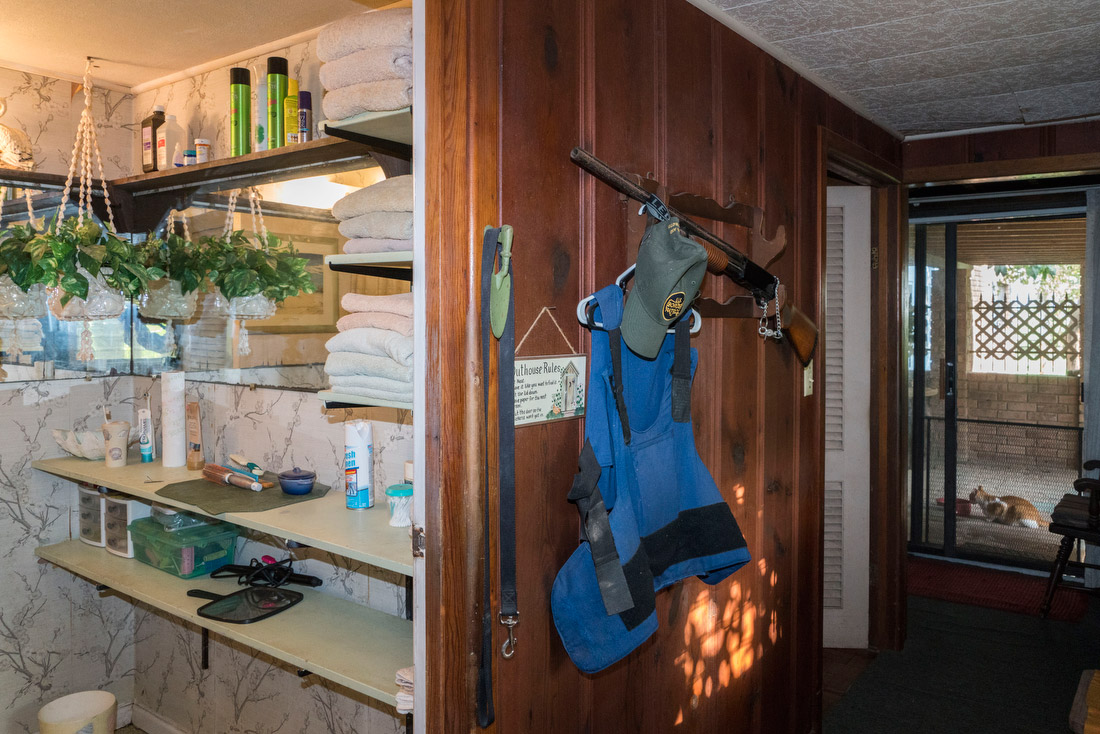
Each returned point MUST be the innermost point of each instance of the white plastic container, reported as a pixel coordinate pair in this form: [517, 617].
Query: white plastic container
[121, 511]
[359, 464]
[92, 524]
[400, 497]
[169, 139]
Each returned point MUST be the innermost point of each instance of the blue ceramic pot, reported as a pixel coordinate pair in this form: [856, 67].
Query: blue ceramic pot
[297, 481]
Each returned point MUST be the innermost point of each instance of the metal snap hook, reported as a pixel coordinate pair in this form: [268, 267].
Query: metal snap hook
[508, 649]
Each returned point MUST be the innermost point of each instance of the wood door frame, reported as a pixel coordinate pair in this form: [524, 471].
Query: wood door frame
[889, 406]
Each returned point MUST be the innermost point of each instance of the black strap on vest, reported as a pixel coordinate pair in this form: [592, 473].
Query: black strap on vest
[506, 439]
[615, 339]
[586, 495]
[681, 373]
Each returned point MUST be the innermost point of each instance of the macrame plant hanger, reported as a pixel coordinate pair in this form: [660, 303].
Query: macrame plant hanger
[171, 348]
[259, 230]
[84, 145]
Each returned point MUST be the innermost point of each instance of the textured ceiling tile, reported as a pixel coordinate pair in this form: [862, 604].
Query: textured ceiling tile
[1059, 103]
[730, 4]
[776, 20]
[995, 109]
[836, 15]
[1053, 73]
[851, 75]
[923, 33]
[818, 51]
[978, 84]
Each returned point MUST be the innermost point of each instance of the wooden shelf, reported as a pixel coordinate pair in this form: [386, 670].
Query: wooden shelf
[339, 640]
[335, 399]
[394, 265]
[316, 157]
[325, 523]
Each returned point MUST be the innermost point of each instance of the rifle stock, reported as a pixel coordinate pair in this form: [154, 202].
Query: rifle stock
[800, 332]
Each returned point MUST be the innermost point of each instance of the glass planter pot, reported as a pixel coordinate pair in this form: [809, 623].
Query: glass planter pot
[16, 304]
[164, 299]
[258, 306]
[103, 302]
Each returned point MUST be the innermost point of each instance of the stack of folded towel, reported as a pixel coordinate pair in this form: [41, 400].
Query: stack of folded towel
[372, 355]
[377, 218]
[368, 63]
[404, 680]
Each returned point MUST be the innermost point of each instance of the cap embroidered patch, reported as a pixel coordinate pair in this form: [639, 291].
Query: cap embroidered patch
[674, 304]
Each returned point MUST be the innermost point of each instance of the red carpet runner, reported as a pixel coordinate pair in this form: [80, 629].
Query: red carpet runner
[986, 587]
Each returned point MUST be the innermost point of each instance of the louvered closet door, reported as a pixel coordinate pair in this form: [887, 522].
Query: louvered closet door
[847, 373]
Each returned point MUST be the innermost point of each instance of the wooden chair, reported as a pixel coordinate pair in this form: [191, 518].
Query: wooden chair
[1076, 517]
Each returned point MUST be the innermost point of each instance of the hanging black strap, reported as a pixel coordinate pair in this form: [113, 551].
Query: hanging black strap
[681, 373]
[615, 340]
[509, 612]
[585, 494]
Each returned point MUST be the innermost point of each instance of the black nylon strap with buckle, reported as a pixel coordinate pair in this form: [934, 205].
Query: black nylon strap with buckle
[681, 372]
[509, 612]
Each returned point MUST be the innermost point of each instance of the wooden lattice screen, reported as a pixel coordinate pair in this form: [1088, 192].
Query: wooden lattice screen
[1027, 329]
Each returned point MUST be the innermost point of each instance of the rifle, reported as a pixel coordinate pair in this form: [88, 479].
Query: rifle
[722, 258]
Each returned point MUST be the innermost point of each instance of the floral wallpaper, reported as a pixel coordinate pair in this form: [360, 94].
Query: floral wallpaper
[201, 103]
[48, 111]
[57, 634]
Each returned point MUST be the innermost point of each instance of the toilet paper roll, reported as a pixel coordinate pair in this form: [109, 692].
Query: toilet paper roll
[173, 419]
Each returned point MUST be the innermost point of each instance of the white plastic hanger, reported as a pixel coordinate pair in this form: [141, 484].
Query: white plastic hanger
[589, 301]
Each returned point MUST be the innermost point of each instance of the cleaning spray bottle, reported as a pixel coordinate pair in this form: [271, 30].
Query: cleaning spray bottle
[359, 464]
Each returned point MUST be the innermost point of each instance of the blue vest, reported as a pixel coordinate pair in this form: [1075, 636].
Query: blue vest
[640, 476]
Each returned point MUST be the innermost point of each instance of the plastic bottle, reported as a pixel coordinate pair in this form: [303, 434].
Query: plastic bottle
[149, 127]
[305, 117]
[169, 136]
[277, 82]
[359, 464]
[290, 112]
[240, 111]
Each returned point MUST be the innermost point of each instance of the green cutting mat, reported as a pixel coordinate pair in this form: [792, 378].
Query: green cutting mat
[217, 499]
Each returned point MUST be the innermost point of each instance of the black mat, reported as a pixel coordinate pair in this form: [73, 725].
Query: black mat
[972, 670]
[217, 499]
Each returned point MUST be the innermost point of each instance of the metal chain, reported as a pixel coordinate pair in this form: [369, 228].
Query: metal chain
[762, 329]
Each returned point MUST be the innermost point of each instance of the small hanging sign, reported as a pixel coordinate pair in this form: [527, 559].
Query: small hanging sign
[549, 388]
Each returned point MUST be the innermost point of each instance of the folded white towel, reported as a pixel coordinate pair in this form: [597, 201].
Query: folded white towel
[377, 320]
[388, 195]
[366, 392]
[365, 245]
[404, 677]
[371, 382]
[379, 342]
[379, 225]
[391, 27]
[368, 65]
[404, 702]
[398, 303]
[388, 94]
[345, 364]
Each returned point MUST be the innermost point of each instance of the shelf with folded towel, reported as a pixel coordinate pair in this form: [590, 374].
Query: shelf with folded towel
[335, 638]
[323, 523]
[335, 400]
[395, 265]
[392, 128]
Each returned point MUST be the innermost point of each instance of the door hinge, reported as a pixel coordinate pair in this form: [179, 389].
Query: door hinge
[418, 541]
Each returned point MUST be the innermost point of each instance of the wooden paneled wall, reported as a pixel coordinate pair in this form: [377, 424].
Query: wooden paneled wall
[1022, 151]
[653, 87]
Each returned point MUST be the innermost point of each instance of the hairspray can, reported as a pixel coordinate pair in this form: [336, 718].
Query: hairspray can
[240, 111]
[359, 464]
[305, 117]
[277, 83]
[145, 435]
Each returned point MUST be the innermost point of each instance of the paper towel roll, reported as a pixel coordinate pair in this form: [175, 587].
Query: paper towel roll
[173, 422]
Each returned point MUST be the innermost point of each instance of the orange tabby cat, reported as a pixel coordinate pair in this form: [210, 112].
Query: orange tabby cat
[1007, 510]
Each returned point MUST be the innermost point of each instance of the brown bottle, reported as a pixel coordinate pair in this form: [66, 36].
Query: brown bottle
[149, 139]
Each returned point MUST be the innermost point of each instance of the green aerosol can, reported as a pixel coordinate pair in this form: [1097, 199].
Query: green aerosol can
[240, 111]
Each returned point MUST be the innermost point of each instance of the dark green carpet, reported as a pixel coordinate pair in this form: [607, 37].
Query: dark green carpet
[972, 670]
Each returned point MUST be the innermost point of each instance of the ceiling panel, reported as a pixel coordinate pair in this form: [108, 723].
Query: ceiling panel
[941, 65]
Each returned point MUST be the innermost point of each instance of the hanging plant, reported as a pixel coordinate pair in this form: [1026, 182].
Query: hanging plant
[240, 269]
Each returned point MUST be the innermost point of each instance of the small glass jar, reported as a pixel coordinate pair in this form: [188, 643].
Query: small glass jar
[400, 497]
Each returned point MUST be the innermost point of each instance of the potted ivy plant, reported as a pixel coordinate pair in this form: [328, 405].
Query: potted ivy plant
[185, 265]
[22, 280]
[252, 280]
[92, 271]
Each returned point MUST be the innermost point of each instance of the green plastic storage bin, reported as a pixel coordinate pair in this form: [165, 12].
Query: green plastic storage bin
[185, 553]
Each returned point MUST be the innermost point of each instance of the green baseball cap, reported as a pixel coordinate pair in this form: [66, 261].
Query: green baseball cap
[667, 277]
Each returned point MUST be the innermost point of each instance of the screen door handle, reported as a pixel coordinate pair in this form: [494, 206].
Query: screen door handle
[949, 382]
